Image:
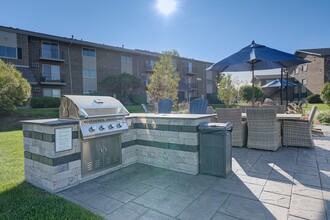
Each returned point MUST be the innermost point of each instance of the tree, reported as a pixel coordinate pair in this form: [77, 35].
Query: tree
[227, 90]
[164, 81]
[325, 93]
[14, 89]
[245, 93]
[122, 84]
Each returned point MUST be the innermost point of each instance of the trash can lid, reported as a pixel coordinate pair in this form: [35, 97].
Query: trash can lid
[205, 126]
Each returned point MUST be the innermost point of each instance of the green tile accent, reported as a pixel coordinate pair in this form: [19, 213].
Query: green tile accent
[45, 137]
[48, 137]
[48, 161]
[162, 127]
[27, 155]
[190, 148]
[27, 134]
[189, 128]
[128, 143]
[140, 125]
[159, 144]
[174, 128]
[37, 135]
[52, 161]
[150, 126]
[174, 146]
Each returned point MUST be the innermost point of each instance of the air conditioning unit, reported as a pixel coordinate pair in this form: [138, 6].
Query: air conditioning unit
[35, 64]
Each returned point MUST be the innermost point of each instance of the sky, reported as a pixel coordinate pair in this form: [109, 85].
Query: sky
[208, 30]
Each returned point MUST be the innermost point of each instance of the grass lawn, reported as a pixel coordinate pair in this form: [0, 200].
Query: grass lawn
[320, 107]
[20, 200]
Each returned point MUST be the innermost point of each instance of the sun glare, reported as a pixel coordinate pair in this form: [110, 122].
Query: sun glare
[166, 7]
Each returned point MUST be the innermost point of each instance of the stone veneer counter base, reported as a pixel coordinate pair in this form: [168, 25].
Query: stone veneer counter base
[164, 140]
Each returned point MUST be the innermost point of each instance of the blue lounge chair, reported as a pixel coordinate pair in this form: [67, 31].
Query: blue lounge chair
[198, 106]
[165, 106]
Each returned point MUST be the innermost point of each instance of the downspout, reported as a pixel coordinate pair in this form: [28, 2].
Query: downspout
[70, 74]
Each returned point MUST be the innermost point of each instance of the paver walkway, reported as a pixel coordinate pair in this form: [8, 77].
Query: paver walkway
[292, 183]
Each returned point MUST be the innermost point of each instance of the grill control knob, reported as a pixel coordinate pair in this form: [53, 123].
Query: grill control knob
[102, 127]
[119, 125]
[110, 126]
[93, 128]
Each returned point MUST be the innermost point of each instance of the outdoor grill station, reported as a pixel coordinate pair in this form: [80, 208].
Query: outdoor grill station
[96, 135]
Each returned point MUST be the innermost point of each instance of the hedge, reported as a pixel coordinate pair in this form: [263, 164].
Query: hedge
[315, 98]
[45, 102]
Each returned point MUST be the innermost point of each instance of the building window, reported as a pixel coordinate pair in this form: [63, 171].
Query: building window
[304, 81]
[189, 67]
[91, 74]
[50, 50]
[86, 92]
[52, 93]
[8, 52]
[89, 52]
[304, 68]
[150, 64]
[50, 72]
[126, 59]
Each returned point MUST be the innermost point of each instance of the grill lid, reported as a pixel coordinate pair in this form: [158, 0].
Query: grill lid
[82, 107]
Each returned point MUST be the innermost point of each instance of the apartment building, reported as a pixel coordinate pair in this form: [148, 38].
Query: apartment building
[56, 65]
[311, 77]
[274, 93]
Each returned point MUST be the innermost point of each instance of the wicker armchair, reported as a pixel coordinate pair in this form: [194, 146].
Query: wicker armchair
[299, 133]
[280, 109]
[234, 116]
[264, 131]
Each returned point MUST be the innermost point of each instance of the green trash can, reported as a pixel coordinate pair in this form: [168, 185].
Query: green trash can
[215, 148]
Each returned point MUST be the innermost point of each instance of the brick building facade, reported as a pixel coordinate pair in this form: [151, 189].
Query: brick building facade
[55, 66]
[311, 77]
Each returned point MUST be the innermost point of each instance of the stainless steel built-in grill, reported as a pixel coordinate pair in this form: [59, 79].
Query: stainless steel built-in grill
[101, 120]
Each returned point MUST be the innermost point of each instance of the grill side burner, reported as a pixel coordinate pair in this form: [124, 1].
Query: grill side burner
[101, 120]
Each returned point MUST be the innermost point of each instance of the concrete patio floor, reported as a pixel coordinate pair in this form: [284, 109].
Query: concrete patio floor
[291, 183]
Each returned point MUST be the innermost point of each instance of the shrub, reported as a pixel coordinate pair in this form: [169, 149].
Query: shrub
[245, 93]
[315, 98]
[226, 90]
[324, 117]
[14, 89]
[138, 99]
[135, 109]
[213, 98]
[325, 93]
[45, 102]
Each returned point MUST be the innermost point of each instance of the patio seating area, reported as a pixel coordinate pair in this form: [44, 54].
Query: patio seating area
[291, 183]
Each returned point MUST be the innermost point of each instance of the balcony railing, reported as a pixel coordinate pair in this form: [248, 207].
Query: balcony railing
[190, 71]
[59, 58]
[44, 81]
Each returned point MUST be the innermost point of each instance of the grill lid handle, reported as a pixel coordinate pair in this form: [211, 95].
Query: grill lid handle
[98, 101]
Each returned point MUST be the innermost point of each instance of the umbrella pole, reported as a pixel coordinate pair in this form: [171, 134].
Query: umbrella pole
[281, 92]
[287, 87]
[252, 68]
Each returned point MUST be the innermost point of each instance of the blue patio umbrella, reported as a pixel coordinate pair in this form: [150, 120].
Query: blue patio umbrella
[277, 83]
[257, 57]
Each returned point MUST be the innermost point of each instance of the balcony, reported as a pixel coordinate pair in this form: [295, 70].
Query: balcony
[49, 57]
[193, 86]
[44, 81]
[191, 72]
